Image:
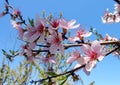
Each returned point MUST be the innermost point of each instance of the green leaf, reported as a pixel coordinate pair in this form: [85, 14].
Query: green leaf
[12, 52]
[63, 81]
[31, 21]
[51, 73]
[92, 83]
[5, 53]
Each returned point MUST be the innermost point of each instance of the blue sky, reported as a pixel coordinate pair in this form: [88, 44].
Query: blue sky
[87, 13]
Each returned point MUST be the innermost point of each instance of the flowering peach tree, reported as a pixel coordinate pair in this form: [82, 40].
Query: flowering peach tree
[47, 41]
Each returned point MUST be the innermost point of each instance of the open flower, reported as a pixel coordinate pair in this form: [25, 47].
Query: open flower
[68, 24]
[81, 33]
[109, 38]
[54, 23]
[92, 54]
[112, 17]
[108, 17]
[117, 9]
[27, 49]
[55, 40]
[75, 56]
[16, 12]
[37, 32]
[18, 27]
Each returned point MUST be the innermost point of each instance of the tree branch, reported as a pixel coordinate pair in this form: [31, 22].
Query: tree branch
[102, 43]
[73, 70]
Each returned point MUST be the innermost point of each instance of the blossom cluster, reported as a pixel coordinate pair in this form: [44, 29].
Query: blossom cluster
[44, 37]
[48, 35]
[112, 17]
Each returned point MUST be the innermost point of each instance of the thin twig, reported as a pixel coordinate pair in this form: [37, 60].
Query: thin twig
[80, 44]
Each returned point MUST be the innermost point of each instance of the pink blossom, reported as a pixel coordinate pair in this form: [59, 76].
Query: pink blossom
[116, 54]
[111, 17]
[27, 50]
[108, 17]
[55, 40]
[16, 12]
[18, 27]
[68, 24]
[37, 32]
[117, 9]
[80, 35]
[15, 24]
[54, 23]
[109, 38]
[92, 54]
[75, 56]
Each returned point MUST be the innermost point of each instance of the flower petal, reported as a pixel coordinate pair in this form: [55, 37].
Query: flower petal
[81, 60]
[72, 22]
[75, 26]
[61, 48]
[34, 37]
[90, 65]
[100, 58]
[77, 65]
[53, 48]
[71, 59]
[95, 47]
[88, 34]
[86, 49]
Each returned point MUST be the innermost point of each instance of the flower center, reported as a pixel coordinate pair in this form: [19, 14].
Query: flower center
[57, 40]
[55, 24]
[80, 33]
[93, 56]
[40, 28]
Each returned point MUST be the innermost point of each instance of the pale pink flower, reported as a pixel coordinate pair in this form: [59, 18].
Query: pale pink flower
[18, 27]
[117, 18]
[15, 24]
[68, 24]
[25, 50]
[81, 33]
[16, 12]
[92, 54]
[32, 45]
[108, 17]
[55, 40]
[54, 23]
[112, 17]
[117, 9]
[109, 38]
[75, 56]
[37, 32]
[116, 54]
